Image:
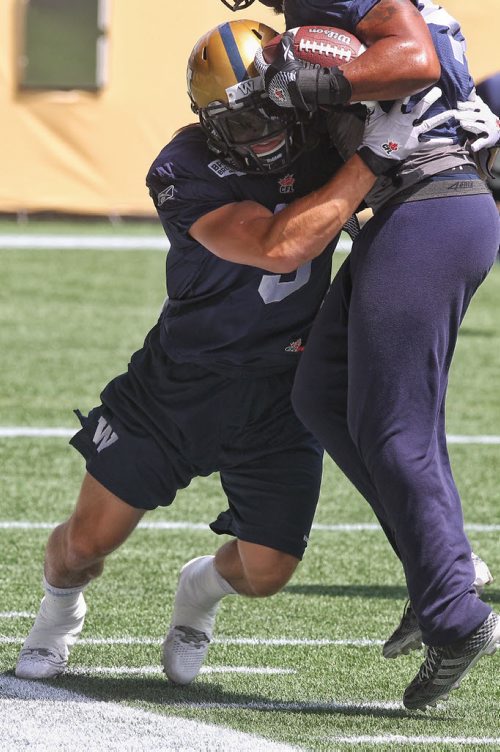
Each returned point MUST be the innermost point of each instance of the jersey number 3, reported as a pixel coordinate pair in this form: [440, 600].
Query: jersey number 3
[273, 289]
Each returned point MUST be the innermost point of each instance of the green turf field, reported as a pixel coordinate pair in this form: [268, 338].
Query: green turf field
[303, 668]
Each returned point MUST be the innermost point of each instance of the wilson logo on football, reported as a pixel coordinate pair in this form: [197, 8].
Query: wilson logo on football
[332, 33]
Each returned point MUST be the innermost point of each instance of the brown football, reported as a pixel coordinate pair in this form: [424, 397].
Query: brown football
[326, 46]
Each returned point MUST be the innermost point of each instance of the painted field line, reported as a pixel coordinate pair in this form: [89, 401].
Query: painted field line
[479, 439]
[16, 615]
[157, 670]
[348, 527]
[294, 707]
[14, 432]
[44, 718]
[257, 641]
[100, 242]
[78, 721]
[476, 741]
[85, 242]
[41, 432]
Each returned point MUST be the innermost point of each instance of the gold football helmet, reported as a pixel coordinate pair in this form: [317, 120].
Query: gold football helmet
[243, 126]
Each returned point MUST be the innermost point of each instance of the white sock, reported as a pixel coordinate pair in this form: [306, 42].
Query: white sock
[200, 590]
[61, 592]
[59, 620]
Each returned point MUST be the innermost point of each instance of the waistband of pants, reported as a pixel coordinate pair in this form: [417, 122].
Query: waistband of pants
[458, 181]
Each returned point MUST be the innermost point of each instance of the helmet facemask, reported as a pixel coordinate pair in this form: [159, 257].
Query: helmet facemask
[240, 134]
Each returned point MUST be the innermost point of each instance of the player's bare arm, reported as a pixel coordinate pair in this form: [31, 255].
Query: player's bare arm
[248, 233]
[400, 59]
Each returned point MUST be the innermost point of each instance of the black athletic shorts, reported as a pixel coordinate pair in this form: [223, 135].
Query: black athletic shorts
[163, 423]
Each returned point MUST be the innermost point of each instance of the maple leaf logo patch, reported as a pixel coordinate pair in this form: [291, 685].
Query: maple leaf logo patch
[390, 147]
[287, 184]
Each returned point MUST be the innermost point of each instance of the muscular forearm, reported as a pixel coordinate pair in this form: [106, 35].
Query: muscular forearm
[303, 230]
[282, 242]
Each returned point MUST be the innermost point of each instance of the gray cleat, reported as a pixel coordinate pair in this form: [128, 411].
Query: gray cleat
[444, 668]
[406, 637]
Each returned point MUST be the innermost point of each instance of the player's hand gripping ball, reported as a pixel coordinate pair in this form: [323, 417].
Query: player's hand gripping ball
[300, 67]
[319, 45]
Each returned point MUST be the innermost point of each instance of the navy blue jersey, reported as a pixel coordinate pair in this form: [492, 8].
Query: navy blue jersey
[455, 82]
[229, 317]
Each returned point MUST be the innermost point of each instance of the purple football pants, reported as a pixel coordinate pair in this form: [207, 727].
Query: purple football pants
[372, 383]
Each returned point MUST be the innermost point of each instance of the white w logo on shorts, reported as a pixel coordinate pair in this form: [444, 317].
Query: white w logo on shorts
[104, 435]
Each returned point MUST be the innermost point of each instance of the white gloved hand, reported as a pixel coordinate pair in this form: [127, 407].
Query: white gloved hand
[476, 117]
[389, 138]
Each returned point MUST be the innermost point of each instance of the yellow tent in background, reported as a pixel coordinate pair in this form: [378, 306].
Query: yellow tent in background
[87, 152]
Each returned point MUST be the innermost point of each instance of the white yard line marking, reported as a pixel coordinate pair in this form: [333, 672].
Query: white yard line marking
[85, 242]
[41, 432]
[13, 432]
[16, 615]
[357, 643]
[424, 740]
[260, 641]
[41, 717]
[348, 527]
[25, 525]
[100, 242]
[291, 706]
[77, 721]
[463, 439]
[264, 670]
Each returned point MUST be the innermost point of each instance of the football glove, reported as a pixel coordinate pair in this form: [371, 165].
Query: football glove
[389, 138]
[476, 118]
[291, 83]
